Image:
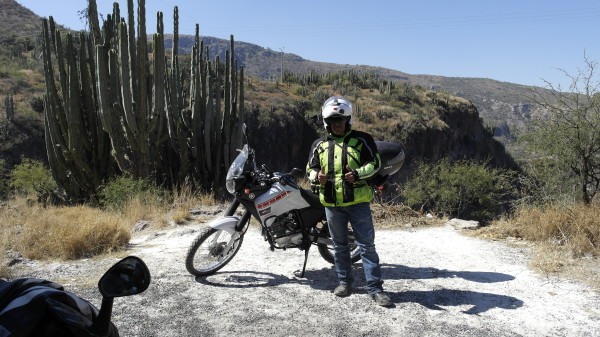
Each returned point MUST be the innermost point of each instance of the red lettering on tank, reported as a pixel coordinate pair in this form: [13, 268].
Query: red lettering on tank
[274, 199]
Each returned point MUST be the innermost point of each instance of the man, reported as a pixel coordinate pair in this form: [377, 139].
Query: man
[339, 164]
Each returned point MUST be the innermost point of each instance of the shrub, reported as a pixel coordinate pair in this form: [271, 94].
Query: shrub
[463, 188]
[320, 95]
[300, 91]
[271, 88]
[546, 182]
[32, 176]
[300, 107]
[3, 180]
[37, 104]
[367, 117]
[384, 114]
[115, 193]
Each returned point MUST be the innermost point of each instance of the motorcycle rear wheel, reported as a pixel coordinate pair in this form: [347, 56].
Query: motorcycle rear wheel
[211, 251]
[326, 251]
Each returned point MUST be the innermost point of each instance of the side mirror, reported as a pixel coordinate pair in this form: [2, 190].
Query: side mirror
[127, 277]
[297, 173]
[245, 132]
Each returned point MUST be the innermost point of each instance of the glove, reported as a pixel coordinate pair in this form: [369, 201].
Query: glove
[315, 188]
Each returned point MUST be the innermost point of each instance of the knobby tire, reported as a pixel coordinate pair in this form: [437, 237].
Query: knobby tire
[211, 251]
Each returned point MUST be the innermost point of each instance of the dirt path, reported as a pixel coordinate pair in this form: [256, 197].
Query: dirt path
[442, 283]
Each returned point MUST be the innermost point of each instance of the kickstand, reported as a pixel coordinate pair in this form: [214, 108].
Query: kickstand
[304, 266]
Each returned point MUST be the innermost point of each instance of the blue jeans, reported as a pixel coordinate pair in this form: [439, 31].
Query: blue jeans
[359, 216]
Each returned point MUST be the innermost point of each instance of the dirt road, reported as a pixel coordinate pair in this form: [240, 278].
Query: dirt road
[442, 283]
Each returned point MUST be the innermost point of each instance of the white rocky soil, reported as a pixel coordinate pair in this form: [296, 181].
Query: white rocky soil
[442, 283]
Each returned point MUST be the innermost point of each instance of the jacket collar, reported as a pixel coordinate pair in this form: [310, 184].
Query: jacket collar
[338, 138]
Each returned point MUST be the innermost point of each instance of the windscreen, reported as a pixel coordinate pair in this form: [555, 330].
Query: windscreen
[236, 170]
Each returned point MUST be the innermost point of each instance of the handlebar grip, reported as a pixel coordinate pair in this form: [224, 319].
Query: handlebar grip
[264, 167]
[296, 173]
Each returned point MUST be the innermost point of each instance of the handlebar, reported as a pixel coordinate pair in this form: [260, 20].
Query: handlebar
[265, 176]
[265, 168]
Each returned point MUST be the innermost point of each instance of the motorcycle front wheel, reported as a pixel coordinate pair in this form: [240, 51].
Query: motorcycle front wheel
[326, 251]
[211, 251]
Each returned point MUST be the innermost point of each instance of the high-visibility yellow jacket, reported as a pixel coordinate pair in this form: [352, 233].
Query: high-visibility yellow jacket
[356, 149]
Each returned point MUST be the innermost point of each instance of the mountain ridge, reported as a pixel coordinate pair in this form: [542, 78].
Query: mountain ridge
[504, 106]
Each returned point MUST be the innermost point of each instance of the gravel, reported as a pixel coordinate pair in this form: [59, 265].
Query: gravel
[441, 283]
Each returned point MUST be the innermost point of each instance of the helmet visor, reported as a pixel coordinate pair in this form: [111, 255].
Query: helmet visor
[337, 119]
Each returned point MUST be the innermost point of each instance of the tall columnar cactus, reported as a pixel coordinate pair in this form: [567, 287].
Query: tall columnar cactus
[77, 149]
[111, 98]
[9, 106]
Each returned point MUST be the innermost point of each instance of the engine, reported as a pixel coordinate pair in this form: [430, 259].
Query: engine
[286, 230]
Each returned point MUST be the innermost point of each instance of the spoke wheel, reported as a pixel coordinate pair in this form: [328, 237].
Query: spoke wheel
[211, 251]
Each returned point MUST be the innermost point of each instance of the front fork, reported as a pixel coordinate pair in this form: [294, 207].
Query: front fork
[239, 226]
[233, 207]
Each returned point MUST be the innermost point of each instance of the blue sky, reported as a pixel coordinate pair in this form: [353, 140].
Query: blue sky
[519, 41]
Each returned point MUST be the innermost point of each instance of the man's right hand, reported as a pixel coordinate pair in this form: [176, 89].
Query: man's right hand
[322, 177]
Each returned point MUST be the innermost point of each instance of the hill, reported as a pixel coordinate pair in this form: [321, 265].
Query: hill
[502, 105]
[431, 124]
[17, 21]
[20, 66]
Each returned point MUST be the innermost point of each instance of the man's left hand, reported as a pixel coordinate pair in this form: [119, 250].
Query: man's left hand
[350, 176]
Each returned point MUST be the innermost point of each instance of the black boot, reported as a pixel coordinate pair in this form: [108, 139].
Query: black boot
[343, 290]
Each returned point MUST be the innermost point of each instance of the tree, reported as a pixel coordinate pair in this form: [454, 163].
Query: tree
[569, 134]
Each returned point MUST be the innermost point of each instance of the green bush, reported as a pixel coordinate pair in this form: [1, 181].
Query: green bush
[320, 95]
[464, 189]
[300, 91]
[4, 187]
[32, 176]
[547, 182]
[115, 193]
[366, 117]
[37, 104]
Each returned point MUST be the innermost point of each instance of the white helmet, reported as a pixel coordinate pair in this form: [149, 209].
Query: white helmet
[336, 107]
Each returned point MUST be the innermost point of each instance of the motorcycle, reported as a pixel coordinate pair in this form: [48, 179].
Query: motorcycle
[35, 307]
[289, 215]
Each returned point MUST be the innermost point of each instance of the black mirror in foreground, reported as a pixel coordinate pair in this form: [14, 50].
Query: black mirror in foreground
[127, 277]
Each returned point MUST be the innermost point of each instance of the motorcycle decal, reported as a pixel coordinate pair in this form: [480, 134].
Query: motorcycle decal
[265, 211]
[274, 199]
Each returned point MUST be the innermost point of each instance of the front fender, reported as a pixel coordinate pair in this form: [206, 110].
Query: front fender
[226, 223]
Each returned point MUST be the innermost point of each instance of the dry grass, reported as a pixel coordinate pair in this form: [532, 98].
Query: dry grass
[390, 216]
[69, 232]
[566, 239]
[162, 214]
[82, 231]
[575, 228]
[4, 240]
[184, 200]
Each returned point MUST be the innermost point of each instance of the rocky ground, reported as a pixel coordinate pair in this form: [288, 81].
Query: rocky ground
[442, 283]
